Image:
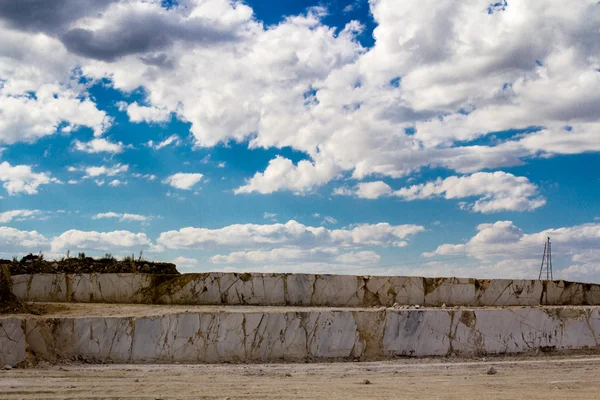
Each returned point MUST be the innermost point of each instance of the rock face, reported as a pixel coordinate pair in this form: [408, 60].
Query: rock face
[300, 290]
[270, 335]
[12, 341]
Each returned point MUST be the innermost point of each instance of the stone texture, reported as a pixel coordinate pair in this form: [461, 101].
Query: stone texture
[274, 335]
[42, 287]
[12, 341]
[108, 288]
[217, 288]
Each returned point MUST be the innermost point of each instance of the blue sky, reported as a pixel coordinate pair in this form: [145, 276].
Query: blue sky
[302, 136]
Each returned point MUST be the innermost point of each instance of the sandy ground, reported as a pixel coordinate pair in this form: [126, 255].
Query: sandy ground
[531, 378]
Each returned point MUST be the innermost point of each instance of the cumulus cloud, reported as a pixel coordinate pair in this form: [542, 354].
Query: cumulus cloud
[99, 145]
[443, 97]
[498, 191]
[21, 179]
[184, 181]
[123, 217]
[282, 174]
[116, 241]
[437, 78]
[26, 118]
[15, 241]
[186, 262]
[372, 190]
[149, 114]
[291, 233]
[41, 15]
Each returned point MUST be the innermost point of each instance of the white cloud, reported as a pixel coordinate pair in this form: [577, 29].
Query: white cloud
[99, 145]
[149, 114]
[116, 183]
[116, 241]
[18, 215]
[277, 255]
[123, 217]
[21, 179]
[171, 140]
[26, 118]
[498, 191]
[448, 74]
[291, 233]
[372, 190]
[282, 174]
[15, 241]
[184, 181]
[285, 255]
[95, 172]
[186, 262]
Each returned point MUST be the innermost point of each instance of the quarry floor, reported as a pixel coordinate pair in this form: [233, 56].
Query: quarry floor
[545, 377]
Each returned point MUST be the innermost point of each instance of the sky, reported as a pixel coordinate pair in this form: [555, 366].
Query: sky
[387, 137]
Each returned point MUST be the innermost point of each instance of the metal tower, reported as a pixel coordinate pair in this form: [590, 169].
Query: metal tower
[546, 267]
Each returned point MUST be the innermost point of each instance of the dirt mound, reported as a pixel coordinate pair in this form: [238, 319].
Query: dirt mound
[33, 264]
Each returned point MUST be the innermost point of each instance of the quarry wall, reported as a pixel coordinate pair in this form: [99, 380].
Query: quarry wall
[294, 335]
[299, 290]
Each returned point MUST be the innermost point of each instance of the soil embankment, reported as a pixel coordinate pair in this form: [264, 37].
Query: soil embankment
[33, 264]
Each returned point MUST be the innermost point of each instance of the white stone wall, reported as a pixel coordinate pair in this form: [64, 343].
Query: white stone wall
[301, 290]
[12, 341]
[300, 336]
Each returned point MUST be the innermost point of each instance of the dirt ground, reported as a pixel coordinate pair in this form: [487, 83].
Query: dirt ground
[516, 378]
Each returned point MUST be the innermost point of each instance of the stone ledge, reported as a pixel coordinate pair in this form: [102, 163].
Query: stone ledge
[273, 335]
[216, 288]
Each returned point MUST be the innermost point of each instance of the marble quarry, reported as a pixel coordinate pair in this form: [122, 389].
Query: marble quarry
[226, 317]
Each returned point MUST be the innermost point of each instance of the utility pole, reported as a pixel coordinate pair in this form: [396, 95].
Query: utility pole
[546, 266]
